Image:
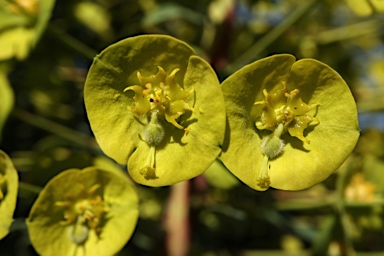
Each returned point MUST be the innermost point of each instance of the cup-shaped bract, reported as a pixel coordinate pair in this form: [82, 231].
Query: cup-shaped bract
[154, 105]
[84, 212]
[8, 193]
[290, 123]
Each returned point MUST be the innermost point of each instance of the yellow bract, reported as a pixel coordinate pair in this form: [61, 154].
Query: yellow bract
[275, 107]
[175, 123]
[8, 193]
[84, 212]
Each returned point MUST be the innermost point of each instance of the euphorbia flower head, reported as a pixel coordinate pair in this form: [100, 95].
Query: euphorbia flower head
[291, 123]
[84, 212]
[154, 104]
[8, 193]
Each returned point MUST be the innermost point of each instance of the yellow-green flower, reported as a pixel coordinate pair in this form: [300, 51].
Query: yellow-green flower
[84, 212]
[8, 193]
[22, 23]
[291, 123]
[155, 105]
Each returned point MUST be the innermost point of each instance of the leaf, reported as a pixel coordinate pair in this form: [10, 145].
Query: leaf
[181, 155]
[50, 235]
[8, 193]
[300, 165]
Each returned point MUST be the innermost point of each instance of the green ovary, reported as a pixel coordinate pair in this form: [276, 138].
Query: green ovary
[162, 94]
[282, 111]
[83, 211]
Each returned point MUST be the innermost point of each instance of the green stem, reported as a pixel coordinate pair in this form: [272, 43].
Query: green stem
[256, 50]
[72, 42]
[347, 32]
[26, 187]
[58, 129]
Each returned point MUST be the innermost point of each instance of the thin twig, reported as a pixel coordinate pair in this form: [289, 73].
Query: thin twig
[58, 129]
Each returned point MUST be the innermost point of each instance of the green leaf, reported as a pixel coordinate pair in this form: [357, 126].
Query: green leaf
[102, 204]
[300, 165]
[8, 193]
[182, 154]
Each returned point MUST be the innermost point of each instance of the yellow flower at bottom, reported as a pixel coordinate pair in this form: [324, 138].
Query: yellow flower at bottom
[84, 212]
[8, 193]
[290, 123]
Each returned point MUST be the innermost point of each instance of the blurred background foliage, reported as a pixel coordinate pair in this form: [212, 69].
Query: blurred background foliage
[47, 47]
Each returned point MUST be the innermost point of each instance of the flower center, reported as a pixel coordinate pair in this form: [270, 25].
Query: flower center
[84, 211]
[282, 111]
[162, 94]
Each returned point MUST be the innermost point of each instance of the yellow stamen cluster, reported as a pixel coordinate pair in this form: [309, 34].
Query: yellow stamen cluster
[84, 211]
[162, 94]
[285, 108]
